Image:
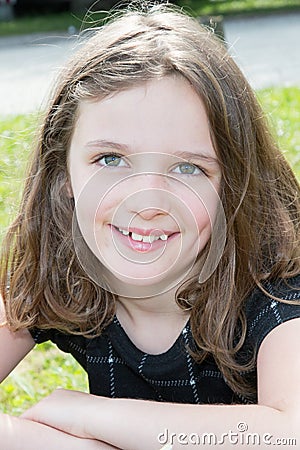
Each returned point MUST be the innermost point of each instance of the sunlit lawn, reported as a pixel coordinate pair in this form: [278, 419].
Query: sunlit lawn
[229, 7]
[283, 107]
[46, 367]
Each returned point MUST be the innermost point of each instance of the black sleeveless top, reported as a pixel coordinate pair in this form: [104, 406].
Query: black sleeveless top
[117, 368]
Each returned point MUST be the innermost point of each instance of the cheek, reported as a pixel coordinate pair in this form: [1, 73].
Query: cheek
[202, 218]
[93, 195]
[86, 204]
[203, 223]
[94, 215]
[203, 208]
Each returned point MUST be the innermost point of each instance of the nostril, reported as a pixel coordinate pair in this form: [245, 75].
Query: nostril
[150, 213]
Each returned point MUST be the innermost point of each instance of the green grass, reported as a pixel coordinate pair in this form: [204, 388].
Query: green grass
[282, 106]
[46, 368]
[233, 7]
[62, 21]
[41, 372]
[16, 136]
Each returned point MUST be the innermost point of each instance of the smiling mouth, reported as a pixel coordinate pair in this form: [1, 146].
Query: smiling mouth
[149, 237]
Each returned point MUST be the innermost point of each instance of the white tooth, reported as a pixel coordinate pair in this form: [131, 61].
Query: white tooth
[136, 237]
[125, 232]
[152, 238]
[163, 237]
[146, 239]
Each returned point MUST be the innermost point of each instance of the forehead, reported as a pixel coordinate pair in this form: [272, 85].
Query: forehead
[164, 115]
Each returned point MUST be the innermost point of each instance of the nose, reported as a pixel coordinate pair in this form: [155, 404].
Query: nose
[149, 213]
[150, 197]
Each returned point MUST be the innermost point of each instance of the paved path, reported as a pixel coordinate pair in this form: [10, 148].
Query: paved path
[266, 48]
[27, 67]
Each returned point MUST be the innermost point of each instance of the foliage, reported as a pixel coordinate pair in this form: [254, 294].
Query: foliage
[46, 368]
[232, 7]
[64, 21]
[46, 23]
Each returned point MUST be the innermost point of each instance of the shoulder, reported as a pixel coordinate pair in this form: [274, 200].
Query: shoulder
[278, 302]
[39, 335]
[75, 344]
[281, 292]
[65, 341]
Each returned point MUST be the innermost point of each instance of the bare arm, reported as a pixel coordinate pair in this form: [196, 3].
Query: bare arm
[13, 346]
[20, 434]
[126, 423]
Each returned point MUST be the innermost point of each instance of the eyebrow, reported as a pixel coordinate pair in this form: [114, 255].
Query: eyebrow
[108, 144]
[190, 155]
[124, 148]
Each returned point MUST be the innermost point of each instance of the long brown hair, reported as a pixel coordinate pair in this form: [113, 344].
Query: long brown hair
[260, 195]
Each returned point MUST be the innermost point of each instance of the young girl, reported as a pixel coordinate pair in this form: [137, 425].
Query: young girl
[158, 242]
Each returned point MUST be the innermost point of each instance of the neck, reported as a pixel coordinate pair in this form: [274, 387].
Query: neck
[161, 305]
[154, 323]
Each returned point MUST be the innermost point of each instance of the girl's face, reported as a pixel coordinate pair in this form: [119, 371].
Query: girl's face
[145, 179]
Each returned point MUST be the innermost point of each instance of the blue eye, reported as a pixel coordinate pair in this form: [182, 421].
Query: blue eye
[111, 160]
[187, 169]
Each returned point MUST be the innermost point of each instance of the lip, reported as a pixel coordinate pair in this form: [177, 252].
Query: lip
[143, 246]
[150, 232]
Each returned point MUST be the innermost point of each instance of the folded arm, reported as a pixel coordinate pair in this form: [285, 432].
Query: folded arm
[135, 424]
[20, 434]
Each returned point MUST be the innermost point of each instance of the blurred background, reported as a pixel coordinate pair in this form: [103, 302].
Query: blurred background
[36, 38]
[199, 6]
